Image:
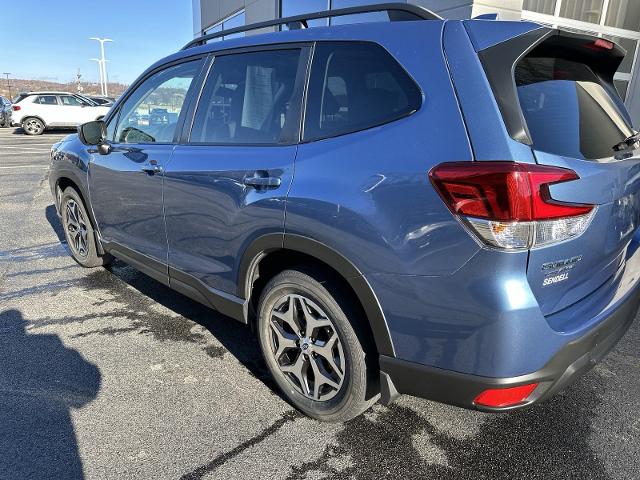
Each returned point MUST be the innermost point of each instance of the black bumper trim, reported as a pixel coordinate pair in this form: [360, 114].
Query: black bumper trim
[454, 388]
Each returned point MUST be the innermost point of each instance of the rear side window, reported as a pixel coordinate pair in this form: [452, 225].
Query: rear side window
[567, 109]
[355, 86]
[47, 100]
[247, 98]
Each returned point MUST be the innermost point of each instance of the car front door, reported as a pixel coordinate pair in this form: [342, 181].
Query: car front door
[227, 181]
[126, 184]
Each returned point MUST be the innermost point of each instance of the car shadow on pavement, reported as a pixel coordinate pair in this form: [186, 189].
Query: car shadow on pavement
[41, 381]
[57, 131]
[176, 325]
[54, 221]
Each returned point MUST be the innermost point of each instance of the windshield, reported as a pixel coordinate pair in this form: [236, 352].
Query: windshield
[568, 110]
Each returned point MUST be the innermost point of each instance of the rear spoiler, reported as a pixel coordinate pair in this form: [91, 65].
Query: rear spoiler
[499, 61]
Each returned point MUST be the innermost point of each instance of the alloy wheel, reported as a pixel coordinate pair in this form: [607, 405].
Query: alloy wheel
[33, 126]
[76, 226]
[306, 347]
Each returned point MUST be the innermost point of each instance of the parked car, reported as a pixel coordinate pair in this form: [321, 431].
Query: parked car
[5, 112]
[462, 224]
[37, 111]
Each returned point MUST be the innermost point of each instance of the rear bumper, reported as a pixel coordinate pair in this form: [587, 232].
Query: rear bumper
[574, 359]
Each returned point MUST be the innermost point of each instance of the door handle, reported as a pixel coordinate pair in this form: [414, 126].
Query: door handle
[151, 167]
[258, 181]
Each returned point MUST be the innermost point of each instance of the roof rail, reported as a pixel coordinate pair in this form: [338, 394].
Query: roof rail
[397, 12]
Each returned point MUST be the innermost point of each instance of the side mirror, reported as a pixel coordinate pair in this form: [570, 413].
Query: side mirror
[92, 133]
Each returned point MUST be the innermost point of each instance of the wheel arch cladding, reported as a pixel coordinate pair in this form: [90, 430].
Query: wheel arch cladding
[299, 250]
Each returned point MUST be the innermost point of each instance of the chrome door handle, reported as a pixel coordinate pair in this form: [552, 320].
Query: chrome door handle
[151, 167]
[262, 182]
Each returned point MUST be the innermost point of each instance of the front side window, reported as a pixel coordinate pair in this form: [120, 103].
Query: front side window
[150, 114]
[567, 110]
[247, 98]
[47, 100]
[355, 86]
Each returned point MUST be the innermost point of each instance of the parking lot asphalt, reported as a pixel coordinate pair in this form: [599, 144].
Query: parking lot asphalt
[107, 374]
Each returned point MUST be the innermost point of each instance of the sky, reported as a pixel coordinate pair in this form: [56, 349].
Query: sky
[49, 39]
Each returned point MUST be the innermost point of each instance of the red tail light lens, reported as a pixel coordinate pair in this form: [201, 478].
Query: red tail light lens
[16, 108]
[600, 44]
[503, 191]
[507, 205]
[505, 397]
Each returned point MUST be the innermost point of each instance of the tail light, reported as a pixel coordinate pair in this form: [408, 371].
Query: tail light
[508, 205]
[600, 44]
[16, 108]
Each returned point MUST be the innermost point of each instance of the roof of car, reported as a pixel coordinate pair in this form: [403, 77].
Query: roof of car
[48, 92]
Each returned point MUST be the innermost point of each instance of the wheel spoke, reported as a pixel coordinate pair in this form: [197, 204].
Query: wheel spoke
[285, 340]
[299, 370]
[313, 321]
[321, 377]
[289, 316]
[326, 352]
[71, 212]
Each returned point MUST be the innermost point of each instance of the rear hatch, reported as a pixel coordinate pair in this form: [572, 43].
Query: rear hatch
[556, 93]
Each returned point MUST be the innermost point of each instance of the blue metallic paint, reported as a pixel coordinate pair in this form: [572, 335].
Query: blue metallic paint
[212, 216]
[486, 128]
[127, 201]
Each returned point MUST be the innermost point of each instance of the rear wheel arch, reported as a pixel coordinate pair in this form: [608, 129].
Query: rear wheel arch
[272, 253]
[37, 117]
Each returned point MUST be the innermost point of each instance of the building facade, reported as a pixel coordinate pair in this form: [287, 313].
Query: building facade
[618, 20]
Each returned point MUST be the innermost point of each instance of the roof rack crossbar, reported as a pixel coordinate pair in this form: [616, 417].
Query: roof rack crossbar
[397, 12]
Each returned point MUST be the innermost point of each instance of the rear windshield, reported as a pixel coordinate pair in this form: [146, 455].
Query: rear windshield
[567, 109]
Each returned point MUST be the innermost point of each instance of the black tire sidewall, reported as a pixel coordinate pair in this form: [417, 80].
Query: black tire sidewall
[351, 398]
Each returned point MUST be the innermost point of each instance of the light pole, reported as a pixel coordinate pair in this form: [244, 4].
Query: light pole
[101, 75]
[8, 83]
[103, 63]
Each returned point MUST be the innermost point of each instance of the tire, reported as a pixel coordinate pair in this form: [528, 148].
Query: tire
[79, 232]
[295, 358]
[33, 126]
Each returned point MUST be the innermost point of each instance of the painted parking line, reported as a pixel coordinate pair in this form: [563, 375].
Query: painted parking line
[30, 144]
[11, 147]
[23, 166]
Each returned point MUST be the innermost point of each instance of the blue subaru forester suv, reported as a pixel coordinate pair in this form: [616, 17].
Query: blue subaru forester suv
[446, 209]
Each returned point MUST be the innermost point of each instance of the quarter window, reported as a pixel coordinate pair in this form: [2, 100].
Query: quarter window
[71, 101]
[150, 114]
[247, 98]
[355, 86]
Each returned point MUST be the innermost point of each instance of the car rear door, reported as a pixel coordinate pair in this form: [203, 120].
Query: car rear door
[126, 184]
[227, 181]
[572, 117]
[47, 108]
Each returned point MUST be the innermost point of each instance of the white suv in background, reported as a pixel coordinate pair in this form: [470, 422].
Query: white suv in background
[37, 111]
